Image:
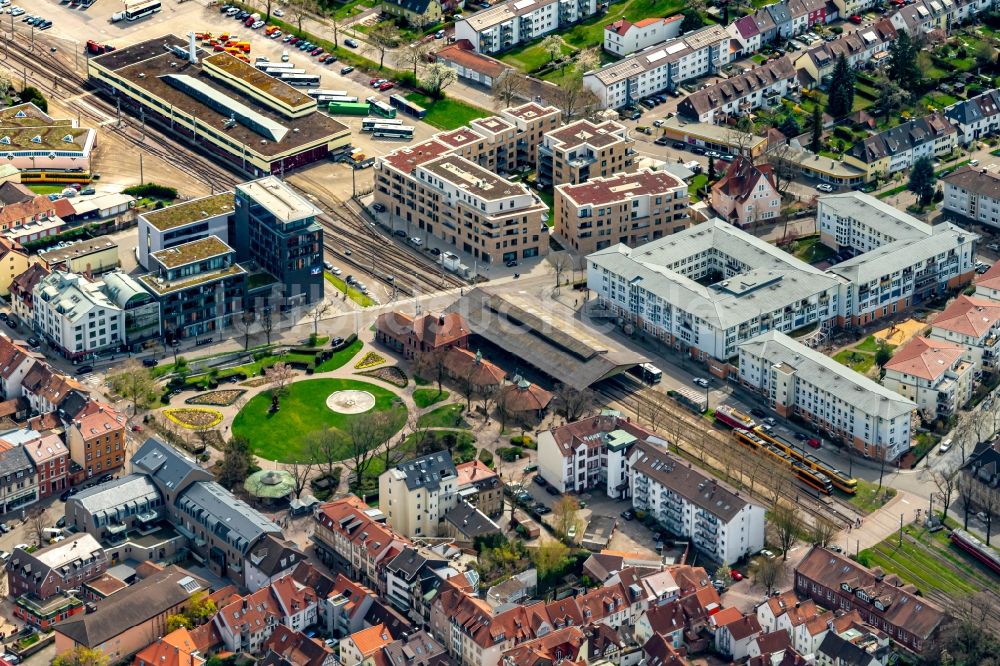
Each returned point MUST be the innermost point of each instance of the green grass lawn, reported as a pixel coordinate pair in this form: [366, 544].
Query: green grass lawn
[445, 416]
[427, 397]
[939, 100]
[926, 442]
[869, 344]
[364, 300]
[282, 436]
[758, 58]
[591, 31]
[694, 189]
[340, 358]
[530, 57]
[810, 250]
[447, 114]
[869, 497]
[855, 360]
[45, 188]
[352, 8]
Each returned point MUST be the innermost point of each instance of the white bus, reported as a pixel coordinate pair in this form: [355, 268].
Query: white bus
[322, 92]
[368, 124]
[393, 131]
[648, 373]
[137, 11]
[300, 80]
[326, 99]
[266, 65]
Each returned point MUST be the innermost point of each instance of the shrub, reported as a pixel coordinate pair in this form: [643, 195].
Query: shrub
[837, 30]
[152, 190]
[510, 453]
[486, 457]
[311, 368]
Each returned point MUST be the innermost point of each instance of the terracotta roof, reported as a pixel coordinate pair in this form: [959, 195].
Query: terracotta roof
[45, 449]
[473, 368]
[175, 649]
[474, 471]
[206, 637]
[565, 643]
[410, 157]
[667, 618]
[619, 27]
[744, 627]
[353, 592]
[371, 640]
[726, 615]
[296, 647]
[49, 385]
[524, 397]
[11, 356]
[969, 316]
[99, 421]
[26, 281]
[742, 177]
[571, 436]
[462, 53]
[37, 208]
[252, 613]
[660, 652]
[775, 641]
[991, 278]
[926, 358]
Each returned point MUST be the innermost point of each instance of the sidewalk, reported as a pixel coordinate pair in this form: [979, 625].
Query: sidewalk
[880, 524]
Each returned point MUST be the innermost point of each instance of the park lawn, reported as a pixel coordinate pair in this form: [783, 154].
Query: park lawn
[46, 188]
[364, 300]
[447, 114]
[698, 182]
[426, 397]
[340, 358]
[591, 31]
[869, 344]
[868, 498]
[939, 100]
[531, 56]
[282, 436]
[811, 250]
[855, 360]
[445, 416]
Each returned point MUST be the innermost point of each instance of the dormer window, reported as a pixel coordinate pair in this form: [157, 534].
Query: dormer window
[20, 114]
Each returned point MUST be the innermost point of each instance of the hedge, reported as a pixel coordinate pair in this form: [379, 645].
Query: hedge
[151, 190]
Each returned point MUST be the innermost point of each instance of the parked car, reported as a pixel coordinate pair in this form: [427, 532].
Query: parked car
[768, 554]
[551, 490]
[735, 575]
[813, 442]
[346, 70]
[351, 43]
[662, 141]
[627, 514]
[378, 207]
[700, 381]
[149, 362]
[5, 528]
[539, 480]
[801, 436]
[824, 187]
[511, 263]
[945, 446]
[84, 369]
[388, 85]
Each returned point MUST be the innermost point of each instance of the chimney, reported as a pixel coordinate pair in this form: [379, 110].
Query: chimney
[192, 50]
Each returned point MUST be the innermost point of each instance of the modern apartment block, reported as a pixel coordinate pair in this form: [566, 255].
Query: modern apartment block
[507, 24]
[795, 379]
[660, 67]
[182, 223]
[974, 194]
[416, 495]
[580, 150]
[76, 316]
[660, 288]
[624, 38]
[898, 260]
[532, 121]
[720, 522]
[463, 204]
[932, 373]
[199, 287]
[628, 208]
[276, 229]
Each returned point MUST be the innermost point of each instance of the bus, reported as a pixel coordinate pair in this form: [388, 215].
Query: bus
[650, 373]
[141, 10]
[300, 80]
[393, 131]
[321, 92]
[326, 99]
[275, 65]
[368, 124]
[380, 108]
[347, 109]
[407, 107]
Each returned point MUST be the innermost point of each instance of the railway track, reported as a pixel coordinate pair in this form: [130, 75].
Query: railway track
[699, 440]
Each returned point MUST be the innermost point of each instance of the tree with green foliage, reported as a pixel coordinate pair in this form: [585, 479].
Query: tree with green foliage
[903, 68]
[790, 126]
[550, 558]
[711, 169]
[922, 180]
[816, 142]
[841, 99]
[35, 96]
[882, 355]
[692, 20]
[178, 621]
[81, 656]
[890, 97]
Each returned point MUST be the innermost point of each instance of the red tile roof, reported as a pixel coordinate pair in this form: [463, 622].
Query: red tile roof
[371, 640]
[409, 158]
[524, 397]
[925, 358]
[175, 649]
[969, 316]
[620, 187]
[462, 53]
[473, 368]
[742, 178]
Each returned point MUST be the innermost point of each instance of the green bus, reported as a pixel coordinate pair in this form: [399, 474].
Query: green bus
[348, 108]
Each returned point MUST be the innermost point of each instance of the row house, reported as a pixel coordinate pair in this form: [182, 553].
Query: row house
[507, 24]
[735, 633]
[973, 323]
[22, 289]
[921, 17]
[36, 218]
[851, 7]
[13, 262]
[624, 38]
[96, 437]
[45, 389]
[18, 479]
[974, 194]
[15, 363]
[345, 606]
[406, 575]
[976, 117]
[896, 149]
[761, 86]
[932, 373]
[866, 45]
[417, 494]
[247, 622]
[51, 459]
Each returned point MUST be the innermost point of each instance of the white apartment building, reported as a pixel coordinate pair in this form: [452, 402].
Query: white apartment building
[932, 373]
[973, 323]
[507, 24]
[660, 67]
[796, 379]
[973, 193]
[624, 38]
[977, 117]
[183, 222]
[898, 261]
[76, 316]
[762, 86]
[690, 504]
[658, 287]
[897, 148]
[415, 495]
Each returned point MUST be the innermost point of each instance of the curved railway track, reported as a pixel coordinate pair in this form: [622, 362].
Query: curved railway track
[698, 439]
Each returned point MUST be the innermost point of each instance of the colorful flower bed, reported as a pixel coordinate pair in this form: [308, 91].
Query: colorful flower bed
[222, 398]
[370, 360]
[194, 418]
[390, 374]
[254, 383]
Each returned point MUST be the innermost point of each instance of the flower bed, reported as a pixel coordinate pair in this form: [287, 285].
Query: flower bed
[254, 383]
[370, 360]
[223, 398]
[194, 418]
[390, 374]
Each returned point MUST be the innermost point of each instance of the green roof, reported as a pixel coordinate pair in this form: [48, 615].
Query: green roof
[190, 252]
[191, 211]
[168, 286]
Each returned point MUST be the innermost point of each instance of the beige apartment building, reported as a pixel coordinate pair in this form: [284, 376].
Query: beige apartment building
[532, 122]
[584, 149]
[630, 208]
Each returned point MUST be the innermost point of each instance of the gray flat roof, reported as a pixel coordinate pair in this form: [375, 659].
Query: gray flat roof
[891, 222]
[279, 199]
[901, 254]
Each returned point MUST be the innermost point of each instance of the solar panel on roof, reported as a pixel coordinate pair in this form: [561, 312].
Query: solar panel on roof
[219, 101]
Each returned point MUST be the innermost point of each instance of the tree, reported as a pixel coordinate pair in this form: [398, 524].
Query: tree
[178, 621]
[300, 472]
[573, 403]
[984, 55]
[903, 68]
[34, 95]
[890, 96]
[564, 514]
[968, 638]
[135, 383]
[816, 142]
[711, 170]
[267, 9]
[433, 365]
[413, 55]
[587, 60]
[790, 126]
[5, 87]
[823, 531]
[266, 323]
[692, 20]
[299, 10]
[381, 39]
[510, 85]
[552, 47]
[966, 488]
[36, 525]
[560, 261]
[365, 433]
[882, 355]
[741, 135]
[724, 575]
[945, 480]
[200, 607]
[81, 656]
[325, 449]
[989, 499]
[922, 180]
[841, 98]
[237, 457]
[244, 324]
[765, 572]
[785, 169]
[573, 98]
[318, 313]
[550, 557]
[278, 377]
[437, 77]
[787, 525]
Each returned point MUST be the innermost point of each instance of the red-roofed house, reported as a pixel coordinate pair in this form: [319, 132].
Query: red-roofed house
[774, 644]
[364, 644]
[13, 262]
[425, 334]
[524, 400]
[351, 541]
[932, 373]
[974, 323]
[96, 439]
[474, 372]
[567, 643]
[747, 194]
[33, 219]
[297, 648]
[624, 37]
[988, 284]
[22, 288]
[734, 636]
[51, 458]
[247, 622]
[476, 67]
[177, 648]
[480, 486]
